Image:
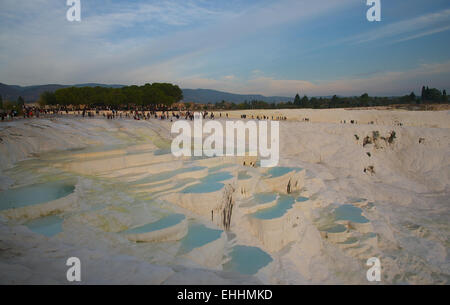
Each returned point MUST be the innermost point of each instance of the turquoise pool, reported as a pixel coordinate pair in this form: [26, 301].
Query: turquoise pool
[198, 235]
[301, 199]
[217, 177]
[162, 151]
[48, 226]
[350, 213]
[247, 260]
[220, 167]
[205, 187]
[243, 175]
[336, 229]
[163, 223]
[262, 198]
[284, 203]
[34, 194]
[275, 172]
[208, 184]
[167, 175]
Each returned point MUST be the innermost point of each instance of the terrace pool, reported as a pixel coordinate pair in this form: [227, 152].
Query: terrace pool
[350, 213]
[162, 151]
[48, 226]
[281, 171]
[247, 260]
[260, 198]
[217, 177]
[34, 194]
[198, 235]
[284, 203]
[243, 175]
[336, 229]
[163, 223]
[205, 187]
[208, 184]
[167, 175]
[220, 167]
[301, 199]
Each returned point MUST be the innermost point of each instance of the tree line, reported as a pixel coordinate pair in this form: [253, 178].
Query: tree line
[433, 95]
[165, 94]
[148, 95]
[428, 96]
[8, 105]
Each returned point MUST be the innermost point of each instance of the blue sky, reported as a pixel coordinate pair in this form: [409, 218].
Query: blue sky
[314, 47]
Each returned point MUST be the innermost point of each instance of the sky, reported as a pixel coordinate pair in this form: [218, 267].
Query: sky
[283, 47]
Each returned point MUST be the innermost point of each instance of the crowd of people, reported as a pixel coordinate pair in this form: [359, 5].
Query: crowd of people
[26, 112]
[111, 114]
[264, 117]
[8, 115]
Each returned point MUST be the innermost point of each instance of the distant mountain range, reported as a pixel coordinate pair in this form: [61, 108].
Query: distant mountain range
[203, 96]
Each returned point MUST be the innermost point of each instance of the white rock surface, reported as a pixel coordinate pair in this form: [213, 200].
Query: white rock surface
[405, 198]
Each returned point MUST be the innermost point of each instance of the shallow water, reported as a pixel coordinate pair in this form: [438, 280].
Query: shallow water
[350, 213]
[243, 175]
[301, 199]
[220, 167]
[247, 260]
[208, 184]
[349, 241]
[260, 198]
[34, 194]
[205, 187]
[336, 229]
[280, 171]
[284, 203]
[163, 223]
[198, 235]
[217, 177]
[48, 226]
[167, 175]
[162, 151]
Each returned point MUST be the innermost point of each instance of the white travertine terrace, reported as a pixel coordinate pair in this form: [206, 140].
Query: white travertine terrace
[120, 184]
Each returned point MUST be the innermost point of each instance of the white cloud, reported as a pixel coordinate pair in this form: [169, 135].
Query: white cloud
[40, 46]
[386, 83]
[428, 23]
[425, 33]
[229, 77]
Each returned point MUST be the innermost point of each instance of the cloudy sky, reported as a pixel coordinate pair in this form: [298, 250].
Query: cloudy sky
[315, 47]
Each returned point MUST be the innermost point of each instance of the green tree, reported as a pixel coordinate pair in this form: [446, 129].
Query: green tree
[133, 95]
[47, 98]
[1, 102]
[297, 101]
[20, 101]
[149, 94]
[304, 102]
[434, 95]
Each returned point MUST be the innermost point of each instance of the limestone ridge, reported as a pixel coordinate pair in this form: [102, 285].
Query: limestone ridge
[225, 208]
